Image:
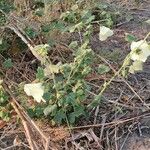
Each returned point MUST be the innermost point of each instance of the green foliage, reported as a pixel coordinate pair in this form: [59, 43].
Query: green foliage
[95, 102]
[39, 12]
[3, 98]
[102, 69]
[4, 46]
[7, 63]
[66, 88]
[106, 14]
[50, 109]
[130, 38]
[40, 73]
[31, 32]
[2, 19]
[73, 45]
[55, 25]
[36, 111]
[68, 93]
[4, 106]
[6, 5]
[78, 19]
[4, 115]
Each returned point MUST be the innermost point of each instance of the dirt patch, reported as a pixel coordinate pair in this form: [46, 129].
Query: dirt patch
[121, 122]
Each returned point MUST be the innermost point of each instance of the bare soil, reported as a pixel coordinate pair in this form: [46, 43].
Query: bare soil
[122, 121]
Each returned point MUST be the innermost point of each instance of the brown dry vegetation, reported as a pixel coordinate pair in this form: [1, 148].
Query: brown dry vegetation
[121, 122]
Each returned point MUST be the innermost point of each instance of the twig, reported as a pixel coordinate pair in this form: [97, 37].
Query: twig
[105, 61]
[102, 128]
[26, 120]
[11, 147]
[96, 114]
[31, 47]
[113, 123]
[124, 141]
[108, 141]
[97, 140]
[115, 134]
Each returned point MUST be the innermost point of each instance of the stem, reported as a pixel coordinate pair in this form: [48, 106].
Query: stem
[74, 70]
[106, 84]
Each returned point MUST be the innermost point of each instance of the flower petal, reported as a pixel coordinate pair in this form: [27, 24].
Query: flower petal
[105, 33]
[144, 52]
[136, 45]
[136, 66]
[36, 90]
[134, 56]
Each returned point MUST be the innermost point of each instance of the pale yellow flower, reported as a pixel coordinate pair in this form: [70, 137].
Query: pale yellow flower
[140, 51]
[36, 90]
[105, 33]
[136, 66]
[50, 69]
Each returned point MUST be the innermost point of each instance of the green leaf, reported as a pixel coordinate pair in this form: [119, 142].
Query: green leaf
[51, 42]
[79, 110]
[130, 38]
[71, 118]
[39, 12]
[2, 19]
[102, 69]
[6, 6]
[51, 69]
[73, 45]
[71, 99]
[65, 70]
[4, 115]
[40, 73]
[47, 96]
[80, 92]
[86, 70]
[60, 26]
[31, 112]
[109, 22]
[95, 102]
[39, 111]
[31, 32]
[3, 97]
[46, 28]
[60, 116]
[79, 25]
[4, 46]
[7, 63]
[49, 109]
[90, 19]
[102, 5]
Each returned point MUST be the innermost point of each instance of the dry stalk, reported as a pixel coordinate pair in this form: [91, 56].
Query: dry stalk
[27, 122]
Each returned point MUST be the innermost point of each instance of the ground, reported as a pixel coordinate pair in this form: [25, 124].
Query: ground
[122, 121]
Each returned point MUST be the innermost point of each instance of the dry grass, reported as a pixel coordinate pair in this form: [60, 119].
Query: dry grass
[111, 124]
